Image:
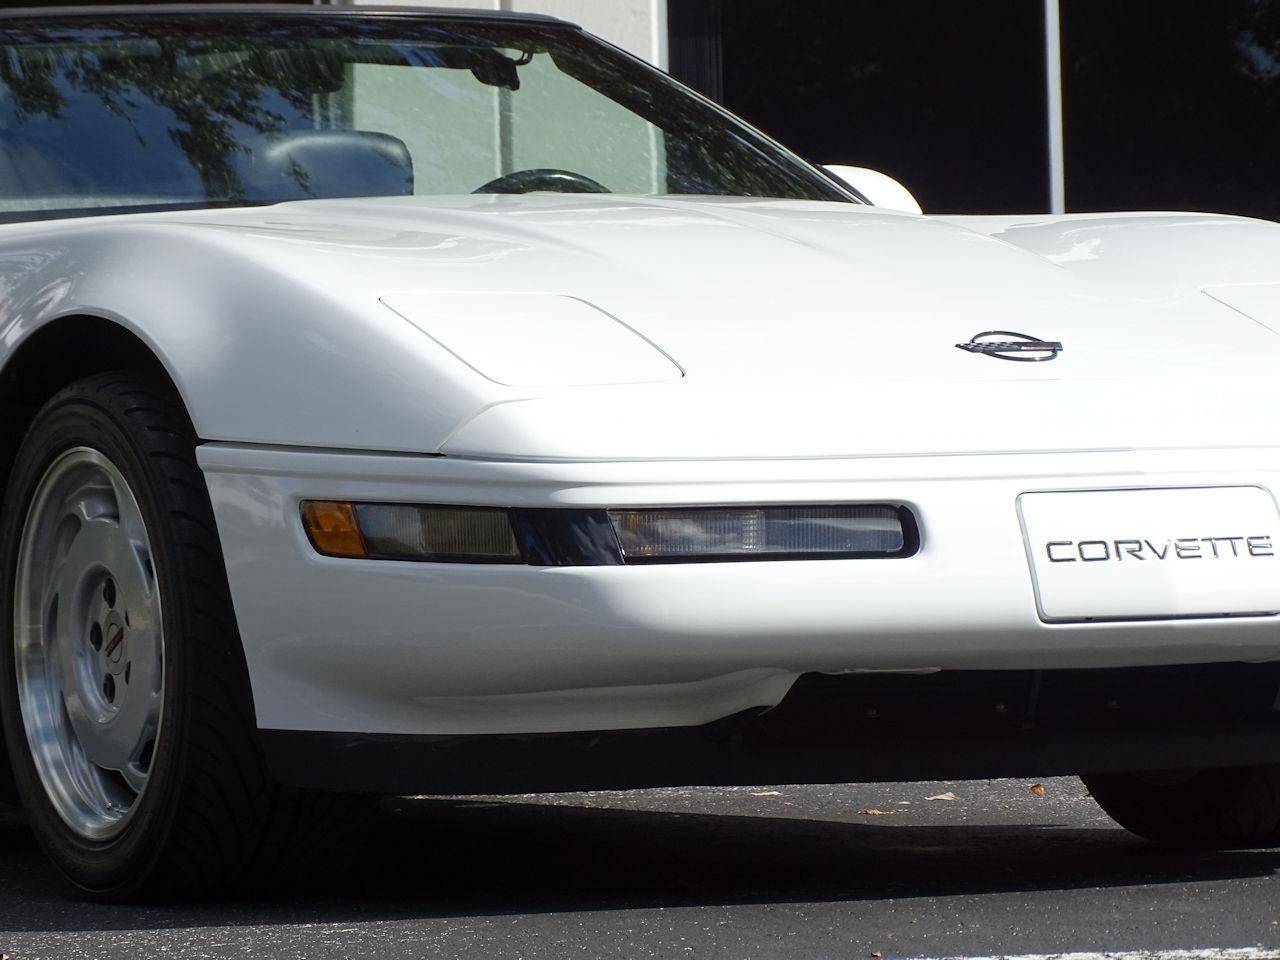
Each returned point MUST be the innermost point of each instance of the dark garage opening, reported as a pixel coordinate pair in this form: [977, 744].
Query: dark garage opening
[946, 96]
[1168, 104]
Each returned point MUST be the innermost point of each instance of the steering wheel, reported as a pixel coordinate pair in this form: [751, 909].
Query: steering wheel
[555, 181]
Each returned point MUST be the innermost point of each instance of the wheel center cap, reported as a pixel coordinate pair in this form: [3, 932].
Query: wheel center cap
[114, 645]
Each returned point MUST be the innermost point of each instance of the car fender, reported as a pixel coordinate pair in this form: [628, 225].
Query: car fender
[260, 352]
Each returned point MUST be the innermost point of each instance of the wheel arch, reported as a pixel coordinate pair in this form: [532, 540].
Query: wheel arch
[56, 355]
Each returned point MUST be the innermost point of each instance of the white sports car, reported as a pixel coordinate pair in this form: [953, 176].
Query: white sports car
[398, 401]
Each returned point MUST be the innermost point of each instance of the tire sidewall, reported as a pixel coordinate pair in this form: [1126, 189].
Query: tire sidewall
[117, 867]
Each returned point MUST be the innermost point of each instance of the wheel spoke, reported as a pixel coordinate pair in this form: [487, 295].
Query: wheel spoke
[90, 734]
[144, 672]
[83, 774]
[136, 588]
[95, 547]
[132, 728]
[134, 776]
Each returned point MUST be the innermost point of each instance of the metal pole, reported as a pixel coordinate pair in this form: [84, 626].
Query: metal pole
[1053, 71]
[661, 35]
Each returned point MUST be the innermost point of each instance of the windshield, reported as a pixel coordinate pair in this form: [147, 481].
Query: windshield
[113, 114]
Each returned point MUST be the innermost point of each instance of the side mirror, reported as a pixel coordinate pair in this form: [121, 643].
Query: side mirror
[880, 189]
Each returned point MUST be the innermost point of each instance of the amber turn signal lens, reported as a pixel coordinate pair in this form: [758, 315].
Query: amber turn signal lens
[332, 528]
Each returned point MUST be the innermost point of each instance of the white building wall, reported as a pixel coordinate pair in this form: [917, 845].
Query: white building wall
[639, 26]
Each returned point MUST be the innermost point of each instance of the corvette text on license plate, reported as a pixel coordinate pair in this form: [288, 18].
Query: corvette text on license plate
[1147, 554]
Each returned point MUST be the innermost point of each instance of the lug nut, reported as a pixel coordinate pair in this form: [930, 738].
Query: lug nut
[109, 592]
[109, 688]
[95, 636]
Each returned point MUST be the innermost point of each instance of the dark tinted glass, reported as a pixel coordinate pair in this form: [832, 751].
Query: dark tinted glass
[946, 95]
[155, 111]
[1172, 104]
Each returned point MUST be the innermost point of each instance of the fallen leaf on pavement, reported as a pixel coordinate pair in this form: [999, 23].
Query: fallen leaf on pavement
[768, 793]
[876, 953]
[942, 796]
[873, 812]
[1037, 789]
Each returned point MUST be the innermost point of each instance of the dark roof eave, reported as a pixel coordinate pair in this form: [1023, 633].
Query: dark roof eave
[261, 9]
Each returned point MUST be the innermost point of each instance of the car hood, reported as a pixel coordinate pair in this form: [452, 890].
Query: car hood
[695, 327]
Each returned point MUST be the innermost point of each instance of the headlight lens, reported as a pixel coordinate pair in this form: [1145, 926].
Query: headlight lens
[745, 533]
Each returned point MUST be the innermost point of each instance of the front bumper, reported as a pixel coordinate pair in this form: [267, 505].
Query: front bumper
[352, 646]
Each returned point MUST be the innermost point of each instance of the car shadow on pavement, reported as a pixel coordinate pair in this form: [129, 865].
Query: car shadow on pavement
[425, 858]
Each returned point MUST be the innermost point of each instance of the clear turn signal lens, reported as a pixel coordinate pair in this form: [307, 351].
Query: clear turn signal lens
[749, 533]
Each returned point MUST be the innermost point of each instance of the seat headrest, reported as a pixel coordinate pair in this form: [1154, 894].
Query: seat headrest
[314, 164]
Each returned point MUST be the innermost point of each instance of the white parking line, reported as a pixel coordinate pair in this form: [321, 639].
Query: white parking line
[1241, 953]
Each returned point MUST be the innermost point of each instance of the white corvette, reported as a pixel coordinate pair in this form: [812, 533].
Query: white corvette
[404, 401]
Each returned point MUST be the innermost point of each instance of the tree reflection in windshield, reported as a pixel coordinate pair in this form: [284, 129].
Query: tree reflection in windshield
[212, 91]
[150, 110]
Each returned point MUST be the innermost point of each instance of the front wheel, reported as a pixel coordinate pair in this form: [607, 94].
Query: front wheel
[1214, 809]
[125, 699]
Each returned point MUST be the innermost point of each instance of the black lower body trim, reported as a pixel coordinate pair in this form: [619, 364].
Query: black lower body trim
[845, 729]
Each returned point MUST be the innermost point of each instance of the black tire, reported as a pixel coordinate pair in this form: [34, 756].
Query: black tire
[201, 821]
[1207, 809]
[8, 789]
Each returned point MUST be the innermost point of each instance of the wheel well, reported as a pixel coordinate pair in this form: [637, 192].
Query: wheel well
[56, 356]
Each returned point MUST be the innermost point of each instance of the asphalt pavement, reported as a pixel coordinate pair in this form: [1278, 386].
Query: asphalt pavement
[857, 871]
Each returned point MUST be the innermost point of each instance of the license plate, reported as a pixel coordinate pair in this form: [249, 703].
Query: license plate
[1153, 554]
